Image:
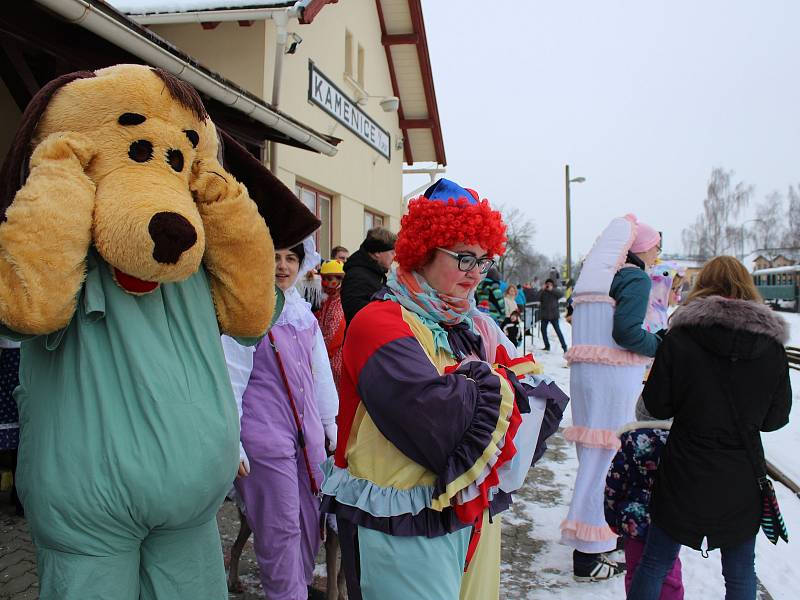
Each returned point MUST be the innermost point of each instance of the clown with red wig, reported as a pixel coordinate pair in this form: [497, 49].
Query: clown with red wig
[439, 420]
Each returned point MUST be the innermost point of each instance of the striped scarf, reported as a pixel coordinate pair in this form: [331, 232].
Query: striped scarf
[411, 291]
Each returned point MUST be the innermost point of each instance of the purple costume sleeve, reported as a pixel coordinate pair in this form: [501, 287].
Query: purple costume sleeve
[442, 422]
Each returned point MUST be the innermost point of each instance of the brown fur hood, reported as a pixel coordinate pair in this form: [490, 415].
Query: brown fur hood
[734, 315]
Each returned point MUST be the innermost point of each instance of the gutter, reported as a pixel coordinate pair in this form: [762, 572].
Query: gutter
[206, 16]
[115, 28]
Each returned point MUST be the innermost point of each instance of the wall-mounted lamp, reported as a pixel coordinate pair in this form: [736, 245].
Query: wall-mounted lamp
[388, 103]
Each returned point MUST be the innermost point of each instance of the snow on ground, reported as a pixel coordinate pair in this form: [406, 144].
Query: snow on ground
[541, 568]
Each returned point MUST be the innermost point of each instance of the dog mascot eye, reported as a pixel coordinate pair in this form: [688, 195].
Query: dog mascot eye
[194, 138]
[131, 119]
[175, 159]
[141, 151]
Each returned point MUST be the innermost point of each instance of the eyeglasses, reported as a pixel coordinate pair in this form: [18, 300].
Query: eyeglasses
[467, 262]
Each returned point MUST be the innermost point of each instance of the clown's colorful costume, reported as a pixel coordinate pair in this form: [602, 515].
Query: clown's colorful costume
[432, 437]
[279, 494]
[608, 356]
[331, 318]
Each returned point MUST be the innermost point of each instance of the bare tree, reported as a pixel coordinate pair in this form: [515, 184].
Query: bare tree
[767, 229]
[791, 234]
[715, 231]
[520, 261]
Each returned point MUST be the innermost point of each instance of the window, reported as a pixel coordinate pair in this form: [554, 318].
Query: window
[372, 220]
[318, 203]
[348, 53]
[361, 65]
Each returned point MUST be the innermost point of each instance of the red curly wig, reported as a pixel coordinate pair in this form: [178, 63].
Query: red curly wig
[431, 224]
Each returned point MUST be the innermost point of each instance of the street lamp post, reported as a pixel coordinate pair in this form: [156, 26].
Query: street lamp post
[567, 181]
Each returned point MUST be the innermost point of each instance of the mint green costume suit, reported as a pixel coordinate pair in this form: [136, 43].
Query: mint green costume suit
[129, 443]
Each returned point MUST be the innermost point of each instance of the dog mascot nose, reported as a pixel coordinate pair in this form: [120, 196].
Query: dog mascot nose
[172, 235]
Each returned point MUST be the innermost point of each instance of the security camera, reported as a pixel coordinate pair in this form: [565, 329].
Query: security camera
[296, 41]
[390, 104]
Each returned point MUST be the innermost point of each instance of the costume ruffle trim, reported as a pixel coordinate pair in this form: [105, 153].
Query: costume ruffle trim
[604, 355]
[481, 444]
[577, 530]
[371, 498]
[593, 438]
[582, 298]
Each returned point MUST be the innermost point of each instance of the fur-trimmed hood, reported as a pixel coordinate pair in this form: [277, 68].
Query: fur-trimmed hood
[731, 327]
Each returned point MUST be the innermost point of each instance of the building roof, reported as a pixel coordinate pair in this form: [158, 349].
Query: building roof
[406, 46]
[149, 11]
[776, 270]
[402, 35]
[144, 7]
[773, 253]
[91, 34]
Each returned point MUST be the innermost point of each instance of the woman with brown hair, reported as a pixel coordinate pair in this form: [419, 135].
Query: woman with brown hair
[722, 373]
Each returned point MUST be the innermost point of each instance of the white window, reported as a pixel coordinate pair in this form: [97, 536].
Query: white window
[348, 53]
[318, 203]
[372, 220]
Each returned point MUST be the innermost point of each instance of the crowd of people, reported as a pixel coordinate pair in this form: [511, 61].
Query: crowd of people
[390, 406]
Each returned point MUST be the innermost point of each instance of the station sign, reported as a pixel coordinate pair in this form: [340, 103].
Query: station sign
[323, 93]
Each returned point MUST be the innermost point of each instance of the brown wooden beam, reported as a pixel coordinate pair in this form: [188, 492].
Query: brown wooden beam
[416, 124]
[415, 7]
[408, 156]
[209, 24]
[16, 74]
[245, 23]
[398, 39]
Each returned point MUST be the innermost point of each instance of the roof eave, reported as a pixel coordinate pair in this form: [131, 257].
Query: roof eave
[417, 38]
[102, 20]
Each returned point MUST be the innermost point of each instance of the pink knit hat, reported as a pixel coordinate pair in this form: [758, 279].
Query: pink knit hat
[646, 238]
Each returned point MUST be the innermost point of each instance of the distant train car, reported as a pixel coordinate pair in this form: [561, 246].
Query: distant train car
[779, 286]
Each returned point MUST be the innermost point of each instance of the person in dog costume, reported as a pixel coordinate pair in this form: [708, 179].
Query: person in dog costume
[126, 248]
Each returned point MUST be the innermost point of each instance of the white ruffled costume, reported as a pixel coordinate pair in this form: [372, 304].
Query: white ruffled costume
[605, 382]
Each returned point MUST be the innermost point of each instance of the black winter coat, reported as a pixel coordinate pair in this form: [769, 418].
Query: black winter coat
[706, 486]
[548, 304]
[363, 276]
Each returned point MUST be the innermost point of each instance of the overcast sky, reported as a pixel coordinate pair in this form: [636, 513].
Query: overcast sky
[641, 97]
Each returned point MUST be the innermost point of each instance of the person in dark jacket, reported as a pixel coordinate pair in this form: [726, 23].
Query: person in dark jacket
[513, 328]
[365, 271]
[722, 363]
[549, 313]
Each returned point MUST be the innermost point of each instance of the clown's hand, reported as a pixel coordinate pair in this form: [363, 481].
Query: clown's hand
[46, 236]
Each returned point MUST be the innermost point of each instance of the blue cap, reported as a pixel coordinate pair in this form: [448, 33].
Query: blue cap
[444, 189]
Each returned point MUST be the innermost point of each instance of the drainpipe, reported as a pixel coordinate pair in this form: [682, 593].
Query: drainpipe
[281, 20]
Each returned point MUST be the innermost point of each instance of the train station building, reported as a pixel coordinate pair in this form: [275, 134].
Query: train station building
[336, 97]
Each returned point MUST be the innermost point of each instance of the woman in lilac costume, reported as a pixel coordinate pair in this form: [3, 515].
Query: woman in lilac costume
[274, 479]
